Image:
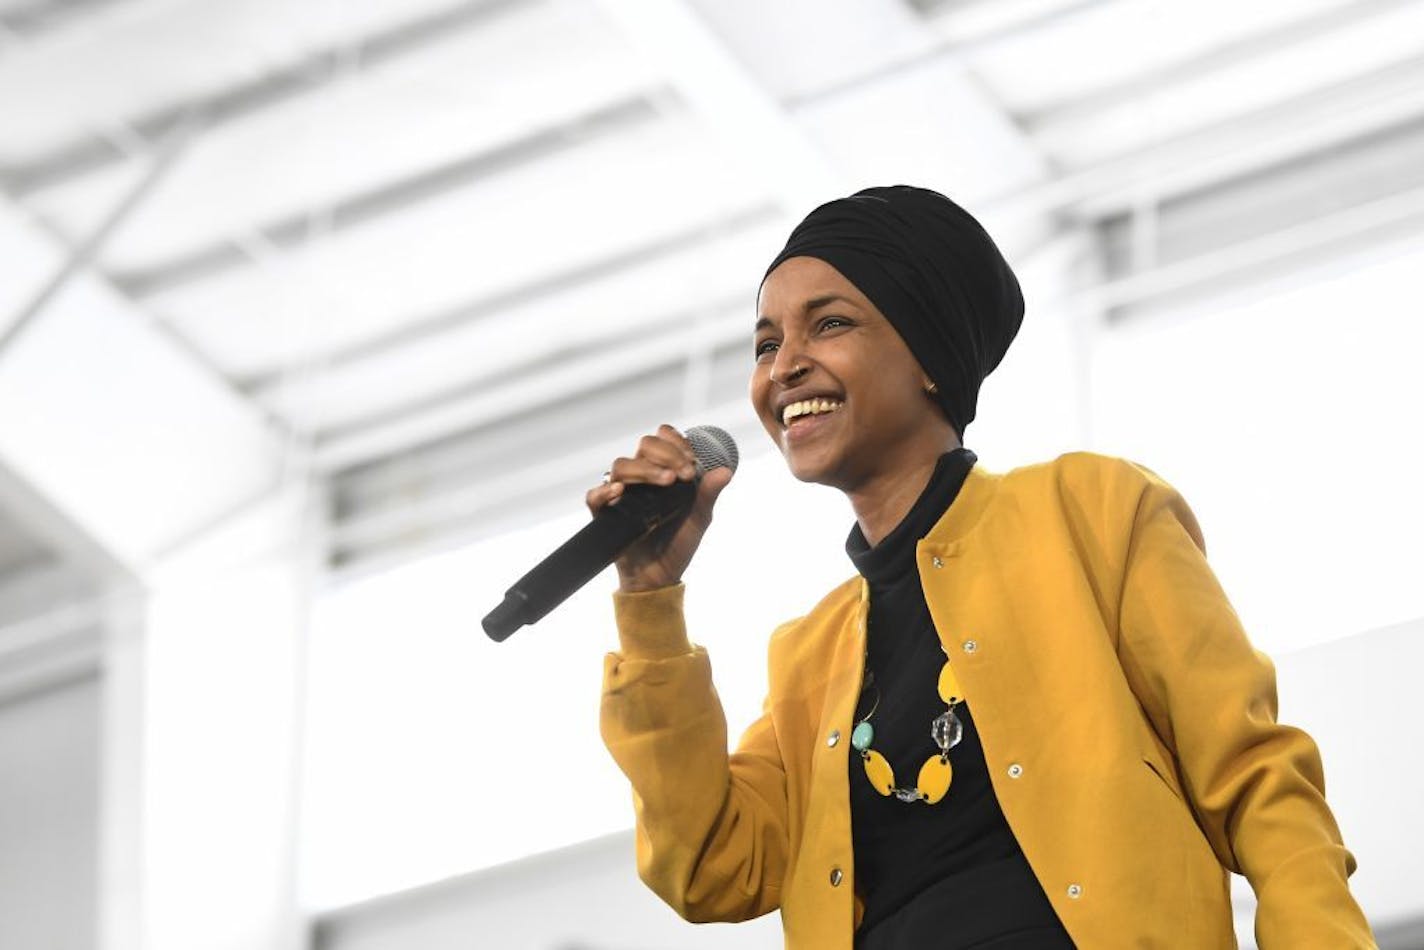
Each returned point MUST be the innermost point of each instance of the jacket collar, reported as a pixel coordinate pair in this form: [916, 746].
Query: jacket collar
[959, 520]
[952, 530]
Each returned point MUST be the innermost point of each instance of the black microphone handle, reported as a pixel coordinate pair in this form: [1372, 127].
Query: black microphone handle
[640, 510]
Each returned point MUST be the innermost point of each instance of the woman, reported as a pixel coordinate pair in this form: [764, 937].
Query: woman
[1032, 720]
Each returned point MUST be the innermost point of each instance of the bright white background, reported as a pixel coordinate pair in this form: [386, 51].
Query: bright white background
[317, 319]
[1283, 419]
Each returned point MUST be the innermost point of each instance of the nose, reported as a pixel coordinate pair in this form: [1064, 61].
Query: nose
[788, 367]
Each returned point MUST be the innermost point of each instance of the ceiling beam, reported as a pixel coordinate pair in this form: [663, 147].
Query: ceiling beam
[1399, 216]
[411, 340]
[28, 20]
[79, 259]
[311, 73]
[951, 51]
[1252, 48]
[1388, 97]
[720, 91]
[548, 385]
[387, 197]
[475, 509]
[136, 442]
[994, 21]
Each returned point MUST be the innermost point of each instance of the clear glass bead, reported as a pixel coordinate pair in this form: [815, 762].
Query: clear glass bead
[907, 794]
[946, 730]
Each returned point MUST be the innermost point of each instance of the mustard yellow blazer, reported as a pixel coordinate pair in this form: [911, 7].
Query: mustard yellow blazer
[1129, 728]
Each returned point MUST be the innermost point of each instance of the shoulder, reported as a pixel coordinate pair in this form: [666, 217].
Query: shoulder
[1087, 483]
[1090, 495]
[1084, 473]
[1115, 494]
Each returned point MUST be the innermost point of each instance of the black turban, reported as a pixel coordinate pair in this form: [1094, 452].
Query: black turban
[933, 271]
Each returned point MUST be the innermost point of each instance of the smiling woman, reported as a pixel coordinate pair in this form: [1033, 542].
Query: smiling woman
[1031, 720]
[820, 340]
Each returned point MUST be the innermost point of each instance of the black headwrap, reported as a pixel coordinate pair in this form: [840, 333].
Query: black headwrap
[933, 271]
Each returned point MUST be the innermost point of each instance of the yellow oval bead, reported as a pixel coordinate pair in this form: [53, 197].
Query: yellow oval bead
[949, 689]
[881, 776]
[935, 776]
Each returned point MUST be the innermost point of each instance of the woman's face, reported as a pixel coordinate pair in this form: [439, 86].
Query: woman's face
[834, 385]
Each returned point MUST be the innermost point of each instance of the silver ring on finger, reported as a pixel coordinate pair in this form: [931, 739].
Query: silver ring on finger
[607, 477]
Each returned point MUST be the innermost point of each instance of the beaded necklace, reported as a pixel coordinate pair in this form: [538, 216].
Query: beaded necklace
[946, 730]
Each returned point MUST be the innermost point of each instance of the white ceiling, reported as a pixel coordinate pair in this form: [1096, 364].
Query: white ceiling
[447, 243]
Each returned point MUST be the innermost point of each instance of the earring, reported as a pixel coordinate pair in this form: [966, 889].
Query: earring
[931, 388]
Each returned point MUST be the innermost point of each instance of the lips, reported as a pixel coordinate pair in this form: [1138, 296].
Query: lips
[788, 406]
[808, 427]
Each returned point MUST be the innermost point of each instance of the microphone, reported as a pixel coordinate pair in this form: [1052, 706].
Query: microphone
[641, 510]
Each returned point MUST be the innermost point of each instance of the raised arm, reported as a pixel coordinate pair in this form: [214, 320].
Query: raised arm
[711, 828]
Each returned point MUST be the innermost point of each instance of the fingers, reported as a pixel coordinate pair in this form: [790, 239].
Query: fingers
[661, 459]
[597, 498]
[669, 449]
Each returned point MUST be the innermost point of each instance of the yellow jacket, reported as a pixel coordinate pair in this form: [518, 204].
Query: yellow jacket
[1129, 728]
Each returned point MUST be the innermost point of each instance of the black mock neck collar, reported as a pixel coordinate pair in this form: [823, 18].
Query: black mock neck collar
[896, 550]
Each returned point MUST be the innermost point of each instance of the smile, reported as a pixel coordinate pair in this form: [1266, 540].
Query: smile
[808, 407]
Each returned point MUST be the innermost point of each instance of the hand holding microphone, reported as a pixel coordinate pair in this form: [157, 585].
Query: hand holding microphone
[648, 519]
[664, 459]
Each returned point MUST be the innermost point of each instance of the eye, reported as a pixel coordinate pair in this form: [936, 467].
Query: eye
[828, 323]
[765, 347]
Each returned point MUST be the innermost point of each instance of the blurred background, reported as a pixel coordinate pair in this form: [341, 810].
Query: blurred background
[318, 318]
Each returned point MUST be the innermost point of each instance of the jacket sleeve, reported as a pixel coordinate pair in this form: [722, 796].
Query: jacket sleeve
[1257, 787]
[711, 828]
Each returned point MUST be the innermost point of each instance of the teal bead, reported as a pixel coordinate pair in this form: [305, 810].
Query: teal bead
[862, 736]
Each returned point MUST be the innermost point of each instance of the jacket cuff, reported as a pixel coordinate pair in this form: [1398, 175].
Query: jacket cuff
[650, 623]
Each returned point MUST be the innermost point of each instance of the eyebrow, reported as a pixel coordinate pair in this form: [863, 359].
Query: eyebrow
[812, 304]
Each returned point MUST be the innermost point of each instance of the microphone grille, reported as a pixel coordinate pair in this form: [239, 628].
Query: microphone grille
[713, 447]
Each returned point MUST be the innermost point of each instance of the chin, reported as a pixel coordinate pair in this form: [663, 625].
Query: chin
[799, 464]
[815, 464]
[813, 467]
[804, 473]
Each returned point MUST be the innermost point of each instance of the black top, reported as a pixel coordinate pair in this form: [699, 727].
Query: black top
[951, 874]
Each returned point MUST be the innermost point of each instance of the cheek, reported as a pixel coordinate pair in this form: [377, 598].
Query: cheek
[892, 403]
[758, 391]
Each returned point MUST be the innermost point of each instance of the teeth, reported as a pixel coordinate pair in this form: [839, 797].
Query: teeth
[808, 407]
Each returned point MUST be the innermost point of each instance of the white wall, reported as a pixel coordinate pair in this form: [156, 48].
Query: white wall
[49, 818]
[584, 897]
[1355, 697]
[1346, 694]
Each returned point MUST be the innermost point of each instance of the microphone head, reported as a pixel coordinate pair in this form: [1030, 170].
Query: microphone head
[713, 447]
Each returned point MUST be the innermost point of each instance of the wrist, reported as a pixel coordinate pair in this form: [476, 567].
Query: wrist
[634, 583]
